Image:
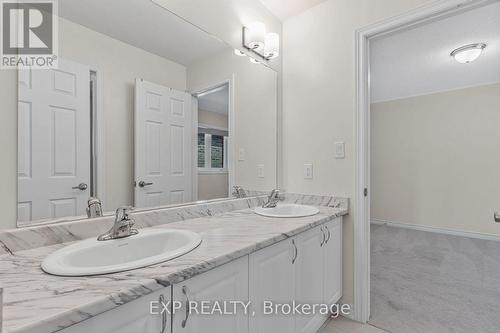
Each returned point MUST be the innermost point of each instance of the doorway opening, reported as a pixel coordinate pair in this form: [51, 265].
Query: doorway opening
[364, 191]
[213, 139]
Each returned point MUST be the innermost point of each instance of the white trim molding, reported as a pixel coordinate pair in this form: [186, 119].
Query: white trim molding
[420, 15]
[437, 230]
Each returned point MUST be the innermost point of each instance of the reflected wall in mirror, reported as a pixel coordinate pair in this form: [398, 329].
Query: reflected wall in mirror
[144, 110]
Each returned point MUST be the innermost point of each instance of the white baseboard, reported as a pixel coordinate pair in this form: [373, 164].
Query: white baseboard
[446, 231]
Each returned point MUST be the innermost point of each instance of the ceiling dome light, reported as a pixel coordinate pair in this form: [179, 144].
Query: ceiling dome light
[468, 53]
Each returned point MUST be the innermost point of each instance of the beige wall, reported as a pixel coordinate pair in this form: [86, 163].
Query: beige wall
[120, 64]
[255, 100]
[212, 186]
[212, 118]
[435, 160]
[318, 99]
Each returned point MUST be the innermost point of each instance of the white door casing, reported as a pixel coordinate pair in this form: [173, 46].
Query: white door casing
[163, 145]
[361, 206]
[53, 141]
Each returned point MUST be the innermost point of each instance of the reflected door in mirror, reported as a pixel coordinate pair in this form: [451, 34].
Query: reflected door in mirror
[163, 145]
[53, 142]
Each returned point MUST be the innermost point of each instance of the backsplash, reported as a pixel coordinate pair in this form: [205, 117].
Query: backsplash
[49, 234]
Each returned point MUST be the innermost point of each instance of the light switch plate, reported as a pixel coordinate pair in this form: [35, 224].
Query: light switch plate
[308, 171]
[241, 154]
[260, 171]
[339, 149]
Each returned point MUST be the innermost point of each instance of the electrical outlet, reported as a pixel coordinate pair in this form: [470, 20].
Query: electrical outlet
[340, 150]
[241, 154]
[308, 171]
[260, 171]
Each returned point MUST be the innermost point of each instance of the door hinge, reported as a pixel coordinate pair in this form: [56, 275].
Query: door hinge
[366, 191]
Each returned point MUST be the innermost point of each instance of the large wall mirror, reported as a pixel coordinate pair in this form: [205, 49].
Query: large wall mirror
[144, 109]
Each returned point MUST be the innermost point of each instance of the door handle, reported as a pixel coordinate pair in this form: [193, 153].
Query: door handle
[81, 187]
[142, 183]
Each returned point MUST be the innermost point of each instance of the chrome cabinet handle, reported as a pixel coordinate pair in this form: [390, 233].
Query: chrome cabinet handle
[185, 292]
[296, 252]
[329, 235]
[496, 216]
[142, 183]
[323, 241]
[163, 315]
[81, 187]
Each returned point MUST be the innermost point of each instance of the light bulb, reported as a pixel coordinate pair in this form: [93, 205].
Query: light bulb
[256, 34]
[272, 45]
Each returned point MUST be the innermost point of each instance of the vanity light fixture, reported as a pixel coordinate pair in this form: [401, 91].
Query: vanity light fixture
[468, 53]
[257, 41]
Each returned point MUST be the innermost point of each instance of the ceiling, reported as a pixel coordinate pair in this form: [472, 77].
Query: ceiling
[215, 101]
[143, 24]
[284, 9]
[418, 62]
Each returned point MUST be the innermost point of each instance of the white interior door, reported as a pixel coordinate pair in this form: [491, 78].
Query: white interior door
[53, 141]
[163, 145]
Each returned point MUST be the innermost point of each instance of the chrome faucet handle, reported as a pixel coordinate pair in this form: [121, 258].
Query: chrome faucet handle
[122, 227]
[94, 207]
[272, 199]
[238, 192]
[123, 214]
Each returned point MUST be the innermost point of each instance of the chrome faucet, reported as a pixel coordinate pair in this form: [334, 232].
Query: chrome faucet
[239, 192]
[122, 227]
[94, 207]
[272, 199]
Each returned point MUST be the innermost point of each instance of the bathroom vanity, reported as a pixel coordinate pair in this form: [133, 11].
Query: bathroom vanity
[242, 257]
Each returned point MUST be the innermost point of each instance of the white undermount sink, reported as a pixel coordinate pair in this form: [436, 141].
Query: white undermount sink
[92, 257]
[287, 210]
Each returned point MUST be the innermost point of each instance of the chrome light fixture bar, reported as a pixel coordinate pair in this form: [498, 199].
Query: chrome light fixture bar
[257, 41]
[468, 53]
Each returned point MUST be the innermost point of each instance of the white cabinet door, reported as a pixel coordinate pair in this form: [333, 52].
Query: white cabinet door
[272, 278]
[133, 317]
[163, 145]
[309, 277]
[228, 282]
[333, 262]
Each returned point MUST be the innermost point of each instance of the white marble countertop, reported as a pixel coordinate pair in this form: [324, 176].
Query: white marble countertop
[38, 302]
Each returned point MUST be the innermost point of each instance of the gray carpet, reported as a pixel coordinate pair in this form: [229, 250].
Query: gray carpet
[425, 282]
